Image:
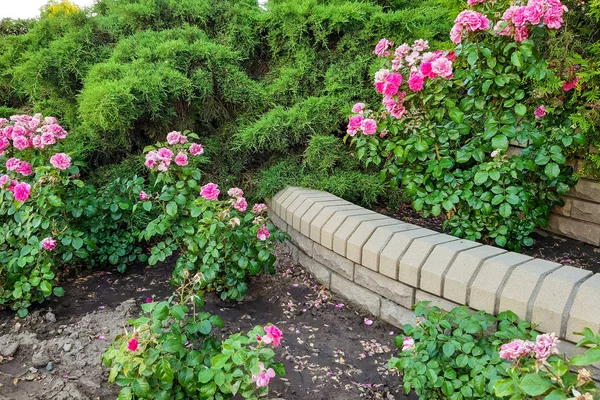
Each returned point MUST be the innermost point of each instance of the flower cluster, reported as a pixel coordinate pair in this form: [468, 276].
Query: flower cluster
[272, 336]
[517, 19]
[161, 159]
[543, 347]
[468, 21]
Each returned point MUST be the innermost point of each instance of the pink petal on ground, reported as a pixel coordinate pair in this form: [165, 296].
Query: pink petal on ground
[368, 322]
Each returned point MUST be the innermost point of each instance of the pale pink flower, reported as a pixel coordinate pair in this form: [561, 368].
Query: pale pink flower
[50, 121]
[234, 222]
[235, 192]
[175, 138]
[442, 67]
[48, 139]
[241, 204]
[503, 28]
[369, 126]
[4, 143]
[210, 191]
[382, 46]
[4, 179]
[509, 12]
[516, 349]
[143, 196]
[12, 164]
[196, 149]
[60, 161]
[553, 18]
[264, 376]
[24, 168]
[273, 335]
[263, 233]
[259, 208]
[358, 107]
[354, 124]
[545, 346]
[420, 45]
[165, 154]
[540, 112]
[408, 343]
[402, 50]
[48, 244]
[181, 159]
[473, 2]
[132, 344]
[521, 33]
[495, 153]
[368, 322]
[21, 191]
[416, 81]
[533, 13]
[20, 142]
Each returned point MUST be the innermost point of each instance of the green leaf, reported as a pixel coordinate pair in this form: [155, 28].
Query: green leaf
[125, 394]
[58, 291]
[480, 177]
[505, 210]
[456, 115]
[535, 385]
[591, 356]
[205, 327]
[22, 312]
[164, 372]
[46, 288]
[196, 211]
[172, 208]
[500, 142]
[448, 349]
[178, 312]
[206, 375]
[516, 59]
[503, 388]
[147, 205]
[520, 109]
[552, 170]
[141, 388]
[77, 243]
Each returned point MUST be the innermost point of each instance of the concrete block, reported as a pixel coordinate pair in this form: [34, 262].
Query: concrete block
[300, 200]
[580, 230]
[281, 197]
[356, 242]
[285, 204]
[463, 272]
[396, 315]
[354, 225]
[488, 283]
[358, 295]
[564, 210]
[584, 312]
[389, 288]
[304, 243]
[323, 217]
[303, 209]
[394, 250]
[377, 242]
[314, 210]
[434, 269]
[409, 267]
[523, 285]
[292, 249]
[586, 211]
[434, 300]
[335, 262]
[320, 272]
[277, 221]
[336, 221]
[551, 307]
[587, 189]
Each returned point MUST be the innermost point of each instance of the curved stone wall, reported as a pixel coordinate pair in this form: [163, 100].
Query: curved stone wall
[386, 266]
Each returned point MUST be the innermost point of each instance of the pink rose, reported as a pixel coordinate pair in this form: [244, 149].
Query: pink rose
[473, 2]
[175, 138]
[36, 141]
[533, 13]
[4, 179]
[553, 18]
[181, 159]
[369, 126]
[210, 191]
[566, 87]
[273, 335]
[132, 344]
[4, 143]
[24, 168]
[426, 70]
[48, 244]
[165, 154]
[20, 142]
[508, 14]
[442, 67]
[415, 82]
[402, 50]
[408, 343]
[392, 83]
[235, 192]
[420, 45]
[521, 33]
[48, 138]
[196, 149]
[518, 16]
[21, 191]
[50, 121]
[60, 161]
[515, 349]
[502, 28]
[396, 110]
[264, 376]
[358, 107]
[263, 233]
[143, 196]
[12, 164]
[354, 124]
[259, 208]
[382, 46]
[545, 346]
[540, 112]
[241, 204]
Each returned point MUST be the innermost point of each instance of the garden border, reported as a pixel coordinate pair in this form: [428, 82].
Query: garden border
[385, 266]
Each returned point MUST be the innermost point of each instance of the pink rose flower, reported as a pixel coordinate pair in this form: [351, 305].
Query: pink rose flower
[515, 349]
[408, 343]
[369, 126]
[521, 33]
[442, 67]
[540, 112]
[175, 138]
[4, 143]
[502, 28]
[210, 191]
[396, 109]
[382, 46]
[196, 149]
[566, 87]
[533, 13]
[553, 17]
[24, 168]
[416, 81]
[165, 154]
[273, 335]
[60, 161]
[48, 244]
[48, 139]
[20, 142]
[392, 83]
[509, 12]
[235, 192]
[241, 204]
[402, 51]
[354, 124]
[545, 346]
[263, 233]
[181, 159]
[21, 191]
[264, 376]
[132, 344]
[473, 2]
[259, 208]
[12, 164]
[358, 107]
[518, 16]
[50, 121]
[4, 179]
[420, 45]
[143, 196]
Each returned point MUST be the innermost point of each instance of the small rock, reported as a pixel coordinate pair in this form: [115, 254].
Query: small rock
[67, 347]
[50, 317]
[10, 350]
[40, 359]
[50, 366]
[33, 370]
[59, 331]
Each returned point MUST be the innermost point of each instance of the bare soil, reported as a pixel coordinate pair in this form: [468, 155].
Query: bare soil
[328, 350]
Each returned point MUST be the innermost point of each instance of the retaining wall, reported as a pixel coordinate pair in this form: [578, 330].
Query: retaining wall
[386, 266]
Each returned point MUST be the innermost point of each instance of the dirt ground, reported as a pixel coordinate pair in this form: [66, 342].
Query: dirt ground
[328, 350]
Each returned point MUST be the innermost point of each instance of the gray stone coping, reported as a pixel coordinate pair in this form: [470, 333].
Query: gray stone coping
[386, 266]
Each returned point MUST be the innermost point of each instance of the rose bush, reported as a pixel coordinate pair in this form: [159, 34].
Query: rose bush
[448, 118]
[224, 240]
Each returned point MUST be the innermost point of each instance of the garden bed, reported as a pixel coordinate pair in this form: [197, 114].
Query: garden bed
[546, 245]
[328, 350]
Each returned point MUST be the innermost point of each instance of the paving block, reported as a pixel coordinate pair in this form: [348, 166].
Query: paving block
[351, 226]
[321, 272]
[397, 315]
[377, 242]
[300, 200]
[550, 310]
[356, 242]
[285, 204]
[523, 285]
[358, 295]
[278, 222]
[323, 217]
[409, 267]
[434, 269]
[584, 312]
[463, 272]
[314, 210]
[437, 301]
[281, 197]
[382, 285]
[394, 250]
[305, 207]
[485, 290]
[335, 262]
[304, 243]
[336, 221]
